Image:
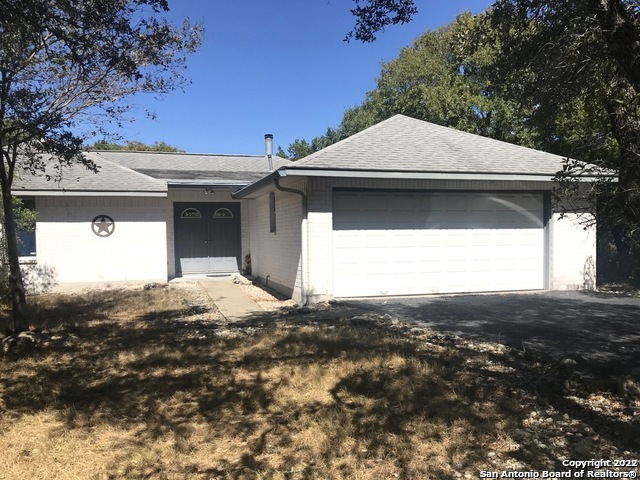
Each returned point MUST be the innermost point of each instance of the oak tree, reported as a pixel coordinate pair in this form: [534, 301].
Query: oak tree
[69, 64]
[133, 146]
[439, 78]
[576, 64]
[579, 62]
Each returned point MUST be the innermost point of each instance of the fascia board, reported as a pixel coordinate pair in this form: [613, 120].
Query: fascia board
[85, 193]
[195, 186]
[423, 175]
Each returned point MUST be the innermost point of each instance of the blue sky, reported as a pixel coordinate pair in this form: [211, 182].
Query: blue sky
[277, 67]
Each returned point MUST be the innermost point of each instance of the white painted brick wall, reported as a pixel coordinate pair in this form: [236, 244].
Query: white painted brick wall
[572, 252]
[276, 257]
[572, 249]
[68, 248]
[320, 228]
[198, 195]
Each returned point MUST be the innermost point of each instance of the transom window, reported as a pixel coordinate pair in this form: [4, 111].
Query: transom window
[191, 213]
[223, 213]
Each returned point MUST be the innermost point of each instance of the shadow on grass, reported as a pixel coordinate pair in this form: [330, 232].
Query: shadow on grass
[600, 328]
[340, 400]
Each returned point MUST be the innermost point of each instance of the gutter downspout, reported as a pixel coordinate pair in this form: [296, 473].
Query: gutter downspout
[304, 234]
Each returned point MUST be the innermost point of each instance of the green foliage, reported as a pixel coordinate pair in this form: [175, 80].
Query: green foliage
[579, 63]
[25, 216]
[133, 146]
[559, 75]
[299, 149]
[66, 65]
[372, 16]
[440, 78]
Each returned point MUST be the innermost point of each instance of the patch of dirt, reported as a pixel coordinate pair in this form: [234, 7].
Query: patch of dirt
[619, 289]
[266, 297]
[573, 414]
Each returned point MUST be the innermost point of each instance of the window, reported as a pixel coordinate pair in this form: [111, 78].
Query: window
[223, 213]
[191, 213]
[25, 226]
[272, 212]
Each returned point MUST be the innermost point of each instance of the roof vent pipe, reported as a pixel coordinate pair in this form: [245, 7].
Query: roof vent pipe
[268, 147]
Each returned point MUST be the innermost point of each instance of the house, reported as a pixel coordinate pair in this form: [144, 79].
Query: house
[405, 207]
[145, 216]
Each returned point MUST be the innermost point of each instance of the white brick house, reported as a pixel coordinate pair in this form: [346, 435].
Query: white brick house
[407, 207]
[404, 207]
[166, 214]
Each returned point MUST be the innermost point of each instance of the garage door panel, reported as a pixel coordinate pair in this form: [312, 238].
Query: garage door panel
[405, 239]
[447, 243]
[403, 203]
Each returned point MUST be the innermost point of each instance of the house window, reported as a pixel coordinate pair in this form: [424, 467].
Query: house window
[272, 212]
[191, 213]
[223, 213]
[25, 227]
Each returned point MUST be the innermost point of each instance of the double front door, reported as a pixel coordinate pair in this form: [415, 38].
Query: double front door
[207, 237]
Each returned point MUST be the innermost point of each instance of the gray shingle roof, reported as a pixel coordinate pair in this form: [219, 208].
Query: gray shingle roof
[123, 171]
[76, 178]
[188, 166]
[404, 144]
[235, 178]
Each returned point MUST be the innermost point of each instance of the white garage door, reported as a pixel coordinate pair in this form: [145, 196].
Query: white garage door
[418, 243]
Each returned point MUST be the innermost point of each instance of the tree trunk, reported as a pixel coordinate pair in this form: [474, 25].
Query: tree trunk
[623, 109]
[16, 286]
[624, 263]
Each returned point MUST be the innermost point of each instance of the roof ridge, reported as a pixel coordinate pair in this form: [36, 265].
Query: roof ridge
[349, 139]
[402, 143]
[127, 152]
[400, 123]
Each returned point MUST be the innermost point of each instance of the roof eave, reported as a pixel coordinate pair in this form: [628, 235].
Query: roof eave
[88, 193]
[253, 188]
[435, 175]
[416, 175]
[217, 186]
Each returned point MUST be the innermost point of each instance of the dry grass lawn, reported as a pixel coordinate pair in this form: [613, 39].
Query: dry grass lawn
[131, 384]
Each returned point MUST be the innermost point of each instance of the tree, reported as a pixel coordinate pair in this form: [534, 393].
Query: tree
[296, 150]
[581, 57]
[372, 16]
[25, 220]
[576, 64]
[68, 64]
[558, 55]
[133, 146]
[440, 79]
[301, 148]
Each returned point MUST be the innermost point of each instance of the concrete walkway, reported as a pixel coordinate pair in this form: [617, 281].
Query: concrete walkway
[234, 304]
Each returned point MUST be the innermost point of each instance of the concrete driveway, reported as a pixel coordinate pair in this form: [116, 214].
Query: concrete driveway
[601, 329]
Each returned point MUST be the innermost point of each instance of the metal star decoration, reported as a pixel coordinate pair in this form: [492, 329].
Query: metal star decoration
[103, 225]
